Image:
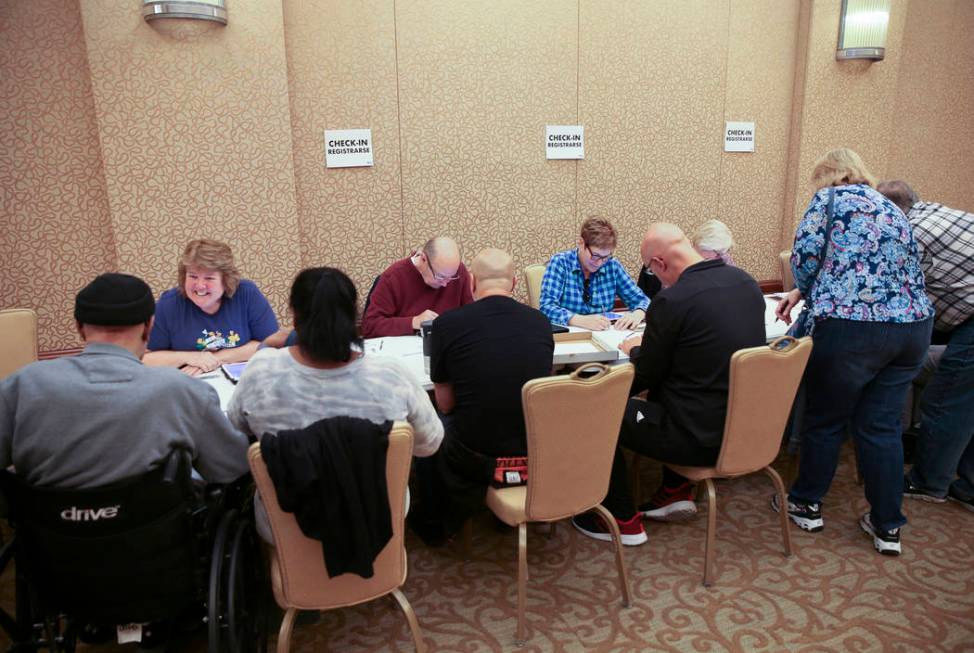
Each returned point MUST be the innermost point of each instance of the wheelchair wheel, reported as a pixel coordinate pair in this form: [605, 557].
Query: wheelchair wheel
[246, 608]
[216, 599]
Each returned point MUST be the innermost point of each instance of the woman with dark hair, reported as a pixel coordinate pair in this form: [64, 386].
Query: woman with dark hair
[327, 374]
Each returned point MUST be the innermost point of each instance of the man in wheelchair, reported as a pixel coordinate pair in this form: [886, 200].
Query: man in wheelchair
[110, 524]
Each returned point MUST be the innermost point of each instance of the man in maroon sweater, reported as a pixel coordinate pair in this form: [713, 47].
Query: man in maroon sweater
[416, 289]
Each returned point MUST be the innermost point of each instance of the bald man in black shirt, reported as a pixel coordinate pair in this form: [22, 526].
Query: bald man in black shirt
[705, 312]
[482, 354]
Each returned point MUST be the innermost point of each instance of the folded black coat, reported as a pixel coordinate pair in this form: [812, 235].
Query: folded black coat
[332, 476]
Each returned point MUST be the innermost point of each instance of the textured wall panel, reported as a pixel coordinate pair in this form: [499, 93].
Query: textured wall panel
[56, 234]
[196, 137]
[933, 124]
[760, 70]
[846, 103]
[477, 84]
[342, 75]
[651, 95]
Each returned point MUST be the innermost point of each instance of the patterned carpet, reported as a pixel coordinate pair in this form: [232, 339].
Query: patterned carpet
[834, 594]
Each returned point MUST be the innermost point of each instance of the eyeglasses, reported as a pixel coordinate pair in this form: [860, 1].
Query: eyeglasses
[600, 258]
[436, 276]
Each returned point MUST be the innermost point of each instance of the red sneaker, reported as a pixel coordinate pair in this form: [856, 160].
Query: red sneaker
[670, 504]
[591, 524]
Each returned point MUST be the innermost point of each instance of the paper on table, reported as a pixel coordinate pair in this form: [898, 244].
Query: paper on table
[395, 346]
[612, 338]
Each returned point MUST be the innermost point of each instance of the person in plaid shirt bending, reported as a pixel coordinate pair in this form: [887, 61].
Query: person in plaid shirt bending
[944, 459]
[580, 285]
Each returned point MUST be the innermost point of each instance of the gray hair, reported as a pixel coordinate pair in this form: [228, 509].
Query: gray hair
[713, 235]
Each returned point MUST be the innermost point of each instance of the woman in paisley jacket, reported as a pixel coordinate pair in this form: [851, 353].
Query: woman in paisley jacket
[857, 266]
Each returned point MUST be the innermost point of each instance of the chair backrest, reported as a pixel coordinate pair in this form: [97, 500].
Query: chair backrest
[763, 384]
[368, 296]
[787, 278]
[572, 427]
[532, 279]
[125, 552]
[298, 574]
[18, 345]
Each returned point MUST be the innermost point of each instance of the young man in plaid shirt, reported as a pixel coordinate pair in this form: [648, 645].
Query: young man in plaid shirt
[580, 285]
[944, 464]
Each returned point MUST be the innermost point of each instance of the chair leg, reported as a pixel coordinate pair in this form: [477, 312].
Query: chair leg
[620, 561]
[414, 628]
[708, 565]
[779, 487]
[522, 581]
[466, 537]
[284, 634]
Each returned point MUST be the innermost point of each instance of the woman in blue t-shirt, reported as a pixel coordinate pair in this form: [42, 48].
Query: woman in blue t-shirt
[212, 317]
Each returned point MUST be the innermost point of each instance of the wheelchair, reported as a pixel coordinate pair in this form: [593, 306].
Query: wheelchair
[150, 548]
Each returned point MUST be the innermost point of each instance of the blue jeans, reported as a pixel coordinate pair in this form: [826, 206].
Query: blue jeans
[946, 443]
[858, 374]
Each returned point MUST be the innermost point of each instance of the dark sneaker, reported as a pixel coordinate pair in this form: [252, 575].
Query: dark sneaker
[886, 542]
[912, 491]
[808, 516]
[670, 504]
[955, 496]
[591, 524]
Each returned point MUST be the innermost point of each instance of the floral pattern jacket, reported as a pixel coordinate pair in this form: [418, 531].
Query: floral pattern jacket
[871, 266]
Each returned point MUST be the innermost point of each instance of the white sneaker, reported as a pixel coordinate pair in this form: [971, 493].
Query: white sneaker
[886, 542]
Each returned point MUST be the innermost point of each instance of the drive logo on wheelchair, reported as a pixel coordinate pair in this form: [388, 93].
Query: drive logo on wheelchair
[90, 514]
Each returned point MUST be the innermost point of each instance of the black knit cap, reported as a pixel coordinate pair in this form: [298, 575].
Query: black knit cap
[114, 299]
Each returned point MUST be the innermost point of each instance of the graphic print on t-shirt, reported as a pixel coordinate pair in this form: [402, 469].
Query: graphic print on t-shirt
[213, 340]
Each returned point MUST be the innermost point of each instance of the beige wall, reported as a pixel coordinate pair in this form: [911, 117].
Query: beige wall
[122, 140]
[196, 139]
[55, 225]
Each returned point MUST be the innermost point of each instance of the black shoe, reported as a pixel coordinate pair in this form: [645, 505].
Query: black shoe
[808, 516]
[955, 496]
[886, 542]
[912, 491]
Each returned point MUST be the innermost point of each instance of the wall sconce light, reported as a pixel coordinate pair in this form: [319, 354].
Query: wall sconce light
[862, 29]
[213, 10]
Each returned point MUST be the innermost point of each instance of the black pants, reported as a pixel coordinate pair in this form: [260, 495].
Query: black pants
[454, 484]
[641, 432]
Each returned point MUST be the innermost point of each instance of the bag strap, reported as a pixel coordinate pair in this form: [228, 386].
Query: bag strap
[829, 217]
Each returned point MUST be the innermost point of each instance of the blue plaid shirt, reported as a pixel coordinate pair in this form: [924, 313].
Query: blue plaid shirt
[563, 288]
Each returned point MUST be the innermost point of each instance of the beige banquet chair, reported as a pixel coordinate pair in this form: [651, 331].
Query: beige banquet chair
[298, 575]
[572, 426]
[532, 278]
[18, 345]
[763, 384]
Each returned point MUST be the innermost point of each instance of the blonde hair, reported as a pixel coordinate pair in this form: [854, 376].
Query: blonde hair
[713, 235]
[212, 255]
[841, 167]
